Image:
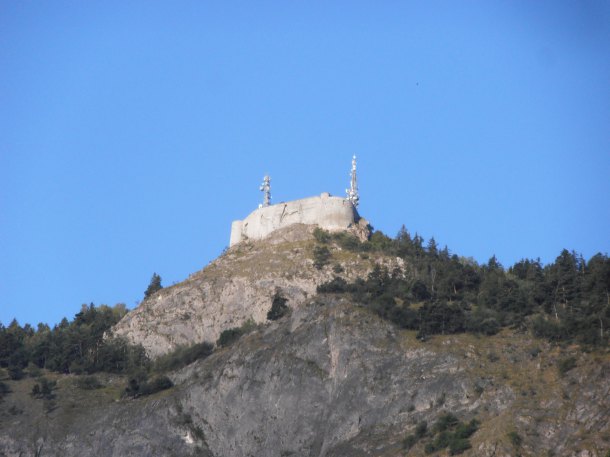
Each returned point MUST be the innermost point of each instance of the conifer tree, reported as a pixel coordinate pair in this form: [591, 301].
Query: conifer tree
[154, 286]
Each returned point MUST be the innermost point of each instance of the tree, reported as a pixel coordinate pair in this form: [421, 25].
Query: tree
[154, 286]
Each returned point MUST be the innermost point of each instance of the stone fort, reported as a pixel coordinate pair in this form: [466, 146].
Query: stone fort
[326, 211]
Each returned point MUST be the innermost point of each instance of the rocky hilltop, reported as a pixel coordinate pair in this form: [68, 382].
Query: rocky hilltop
[329, 379]
[237, 287]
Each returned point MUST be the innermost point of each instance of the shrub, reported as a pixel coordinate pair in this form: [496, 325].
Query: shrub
[466, 430]
[336, 286]
[156, 385]
[450, 433]
[349, 242]
[445, 421]
[278, 307]
[183, 356]
[321, 256]
[421, 429]
[459, 445]
[229, 336]
[88, 383]
[44, 389]
[138, 385]
[321, 236]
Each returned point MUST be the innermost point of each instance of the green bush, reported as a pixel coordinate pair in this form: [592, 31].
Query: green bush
[229, 336]
[413, 438]
[321, 257]
[88, 383]
[466, 430]
[156, 385]
[336, 286]
[138, 385]
[445, 421]
[459, 445]
[278, 307]
[349, 242]
[321, 236]
[44, 389]
[450, 433]
[421, 429]
[183, 356]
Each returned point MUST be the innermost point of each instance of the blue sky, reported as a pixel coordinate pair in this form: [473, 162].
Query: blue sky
[133, 133]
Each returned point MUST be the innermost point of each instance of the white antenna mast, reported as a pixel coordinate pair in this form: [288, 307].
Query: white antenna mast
[352, 192]
[265, 188]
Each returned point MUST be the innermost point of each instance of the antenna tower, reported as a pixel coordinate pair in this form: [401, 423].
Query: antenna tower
[352, 192]
[265, 188]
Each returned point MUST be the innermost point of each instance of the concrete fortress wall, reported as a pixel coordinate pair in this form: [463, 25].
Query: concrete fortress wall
[329, 213]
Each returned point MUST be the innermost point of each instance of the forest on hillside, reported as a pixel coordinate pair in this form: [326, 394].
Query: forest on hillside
[440, 292]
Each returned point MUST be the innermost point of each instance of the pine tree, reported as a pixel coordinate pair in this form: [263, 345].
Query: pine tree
[154, 286]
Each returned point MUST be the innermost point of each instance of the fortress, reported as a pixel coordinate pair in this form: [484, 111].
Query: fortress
[327, 212]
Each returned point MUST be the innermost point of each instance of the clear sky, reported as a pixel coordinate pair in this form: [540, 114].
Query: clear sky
[133, 133]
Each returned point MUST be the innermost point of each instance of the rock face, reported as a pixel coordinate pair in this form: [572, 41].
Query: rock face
[327, 212]
[332, 380]
[237, 287]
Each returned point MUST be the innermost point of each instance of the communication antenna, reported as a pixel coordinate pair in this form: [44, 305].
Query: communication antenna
[265, 188]
[352, 192]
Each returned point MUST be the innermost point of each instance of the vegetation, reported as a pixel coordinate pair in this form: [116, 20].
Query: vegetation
[440, 293]
[139, 385]
[278, 307]
[447, 432]
[44, 389]
[182, 356]
[321, 257]
[88, 383]
[412, 439]
[77, 347]
[451, 433]
[153, 286]
[229, 336]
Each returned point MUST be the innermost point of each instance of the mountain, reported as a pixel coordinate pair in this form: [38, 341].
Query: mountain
[330, 378]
